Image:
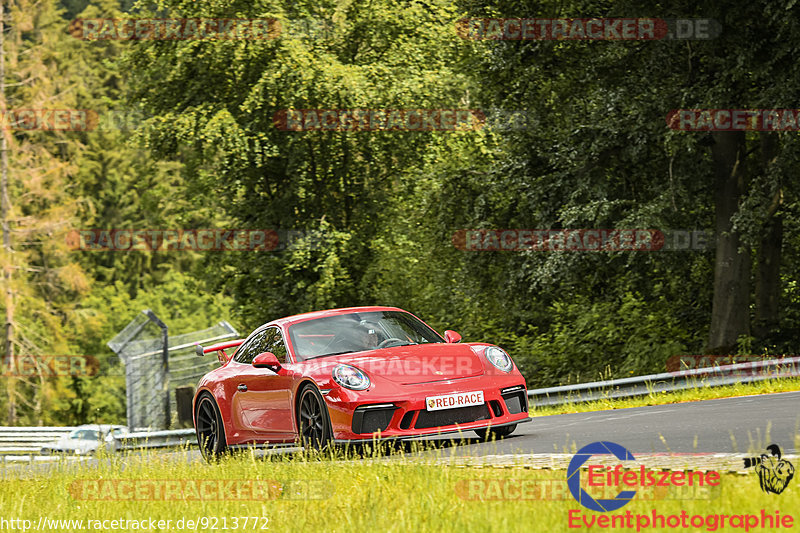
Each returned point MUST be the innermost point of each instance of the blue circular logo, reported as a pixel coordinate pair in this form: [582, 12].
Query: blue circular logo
[574, 476]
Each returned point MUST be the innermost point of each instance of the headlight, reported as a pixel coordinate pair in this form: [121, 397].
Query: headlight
[499, 358]
[350, 377]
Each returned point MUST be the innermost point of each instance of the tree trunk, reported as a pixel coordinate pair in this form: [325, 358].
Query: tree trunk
[5, 206]
[768, 256]
[730, 314]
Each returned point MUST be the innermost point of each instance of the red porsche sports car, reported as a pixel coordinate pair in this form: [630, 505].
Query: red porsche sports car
[353, 375]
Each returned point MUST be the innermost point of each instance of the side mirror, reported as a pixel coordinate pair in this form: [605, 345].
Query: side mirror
[451, 337]
[267, 360]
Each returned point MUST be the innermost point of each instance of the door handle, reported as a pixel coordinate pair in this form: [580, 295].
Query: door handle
[242, 387]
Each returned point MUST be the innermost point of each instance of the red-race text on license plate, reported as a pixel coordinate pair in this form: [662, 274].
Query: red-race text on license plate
[451, 401]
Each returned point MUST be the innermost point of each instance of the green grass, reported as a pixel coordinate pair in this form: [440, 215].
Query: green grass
[689, 395]
[356, 495]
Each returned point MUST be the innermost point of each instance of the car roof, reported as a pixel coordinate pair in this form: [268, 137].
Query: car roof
[99, 427]
[287, 321]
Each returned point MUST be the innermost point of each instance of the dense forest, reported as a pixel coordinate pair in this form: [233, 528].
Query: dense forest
[560, 134]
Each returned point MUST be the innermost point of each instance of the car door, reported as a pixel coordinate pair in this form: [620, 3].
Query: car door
[265, 395]
[234, 386]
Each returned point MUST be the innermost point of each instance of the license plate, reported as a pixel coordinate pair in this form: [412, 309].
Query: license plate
[451, 401]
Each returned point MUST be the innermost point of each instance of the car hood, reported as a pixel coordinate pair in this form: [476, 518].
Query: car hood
[420, 363]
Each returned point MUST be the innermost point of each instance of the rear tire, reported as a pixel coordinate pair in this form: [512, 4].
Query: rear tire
[497, 433]
[210, 429]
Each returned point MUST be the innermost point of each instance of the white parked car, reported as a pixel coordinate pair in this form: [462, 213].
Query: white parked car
[88, 439]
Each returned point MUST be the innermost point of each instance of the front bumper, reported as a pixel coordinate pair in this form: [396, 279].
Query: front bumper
[407, 437]
[67, 451]
[365, 418]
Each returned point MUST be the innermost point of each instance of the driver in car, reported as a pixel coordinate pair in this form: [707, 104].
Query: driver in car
[366, 338]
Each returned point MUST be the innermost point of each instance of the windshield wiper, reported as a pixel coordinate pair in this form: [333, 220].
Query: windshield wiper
[329, 354]
[404, 344]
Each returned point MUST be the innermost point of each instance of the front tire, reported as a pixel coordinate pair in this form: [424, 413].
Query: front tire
[210, 429]
[497, 433]
[313, 421]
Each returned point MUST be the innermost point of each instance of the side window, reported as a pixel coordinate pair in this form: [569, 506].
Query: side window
[248, 352]
[266, 341]
[277, 346]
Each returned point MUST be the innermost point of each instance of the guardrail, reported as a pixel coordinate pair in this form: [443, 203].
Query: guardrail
[714, 376]
[22, 440]
[24, 443]
[158, 439]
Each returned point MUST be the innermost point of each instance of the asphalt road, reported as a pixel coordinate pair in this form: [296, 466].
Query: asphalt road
[729, 425]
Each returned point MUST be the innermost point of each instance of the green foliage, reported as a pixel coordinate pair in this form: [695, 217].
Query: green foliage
[629, 336]
[379, 209]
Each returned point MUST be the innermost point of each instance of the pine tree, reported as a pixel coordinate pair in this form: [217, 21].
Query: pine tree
[41, 278]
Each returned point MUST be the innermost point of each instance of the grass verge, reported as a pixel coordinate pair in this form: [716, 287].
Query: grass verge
[310, 494]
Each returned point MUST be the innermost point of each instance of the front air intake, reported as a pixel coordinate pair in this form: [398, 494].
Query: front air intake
[516, 399]
[448, 417]
[372, 418]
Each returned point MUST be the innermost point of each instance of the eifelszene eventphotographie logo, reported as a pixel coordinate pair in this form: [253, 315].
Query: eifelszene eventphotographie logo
[774, 472]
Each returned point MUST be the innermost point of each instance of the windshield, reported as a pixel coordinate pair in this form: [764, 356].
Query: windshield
[84, 434]
[357, 332]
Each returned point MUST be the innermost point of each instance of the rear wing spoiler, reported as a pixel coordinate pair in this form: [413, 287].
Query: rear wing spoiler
[219, 348]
